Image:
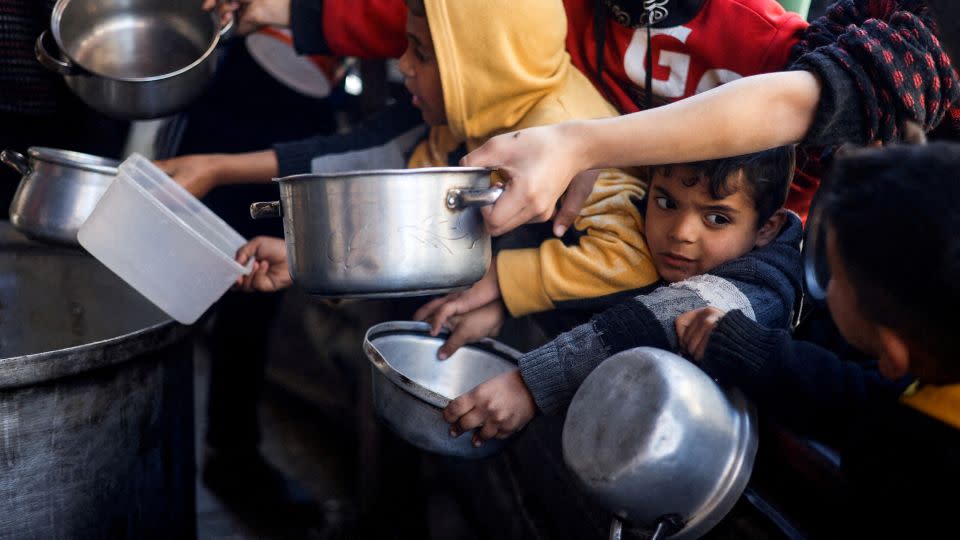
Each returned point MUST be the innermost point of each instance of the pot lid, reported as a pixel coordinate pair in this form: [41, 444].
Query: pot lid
[76, 160]
[649, 435]
[406, 353]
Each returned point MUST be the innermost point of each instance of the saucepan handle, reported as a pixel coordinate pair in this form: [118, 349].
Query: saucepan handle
[460, 198]
[52, 61]
[264, 210]
[16, 160]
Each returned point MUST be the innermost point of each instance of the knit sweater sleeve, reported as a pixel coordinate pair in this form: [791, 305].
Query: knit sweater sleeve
[382, 141]
[810, 389]
[361, 28]
[764, 283]
[880, 65]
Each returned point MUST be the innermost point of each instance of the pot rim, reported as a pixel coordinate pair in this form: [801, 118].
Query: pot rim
[410, 386]
[78, 160]
[57, 15]
[382, 172]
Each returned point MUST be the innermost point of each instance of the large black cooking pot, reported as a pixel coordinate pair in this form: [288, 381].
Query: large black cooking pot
[96, 403]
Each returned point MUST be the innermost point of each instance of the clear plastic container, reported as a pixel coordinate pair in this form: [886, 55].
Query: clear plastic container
[162, 241]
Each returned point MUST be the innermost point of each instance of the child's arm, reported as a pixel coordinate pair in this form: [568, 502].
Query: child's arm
[270, 270]
[849, 86]
[810, 389]
[604, 254]
[200, 173]
[764, 283]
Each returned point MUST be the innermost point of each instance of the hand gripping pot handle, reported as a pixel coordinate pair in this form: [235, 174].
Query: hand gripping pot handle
[460, 198]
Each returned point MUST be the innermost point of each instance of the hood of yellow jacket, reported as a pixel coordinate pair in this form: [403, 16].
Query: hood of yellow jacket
[504, 66]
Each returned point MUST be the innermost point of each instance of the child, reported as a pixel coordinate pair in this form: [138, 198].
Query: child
[891, 218]
[724, 217]
[523, 78]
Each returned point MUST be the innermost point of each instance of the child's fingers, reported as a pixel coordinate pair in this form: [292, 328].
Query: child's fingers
[427, 309]
[460, 337]
[489, 430]
[470, 421]
[457, 408]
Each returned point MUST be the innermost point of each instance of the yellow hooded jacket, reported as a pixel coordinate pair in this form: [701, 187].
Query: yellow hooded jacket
[504, 66]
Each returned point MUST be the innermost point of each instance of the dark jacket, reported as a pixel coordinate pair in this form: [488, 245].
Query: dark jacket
[900, 464]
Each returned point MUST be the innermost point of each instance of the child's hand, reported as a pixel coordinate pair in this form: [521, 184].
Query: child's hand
[270, 270]
[438, 311]
[694, 329]
[473, 326]
[499, 408]
[198, 173]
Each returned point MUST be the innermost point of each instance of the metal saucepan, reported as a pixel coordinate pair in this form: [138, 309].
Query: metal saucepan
[58, 191]
[411, 386]
[132, 59]
[654, 440]
[384, 233]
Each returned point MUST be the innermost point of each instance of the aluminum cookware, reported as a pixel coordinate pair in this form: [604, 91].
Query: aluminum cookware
[384, 233]
[58, 191]
[411, 386]
[654, 440]
[132, 59]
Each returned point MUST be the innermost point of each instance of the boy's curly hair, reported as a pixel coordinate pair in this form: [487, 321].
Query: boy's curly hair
[766, 176]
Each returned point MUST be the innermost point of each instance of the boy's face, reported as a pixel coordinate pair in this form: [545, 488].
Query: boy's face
[422, 73]
[846, 313]
[689, 232]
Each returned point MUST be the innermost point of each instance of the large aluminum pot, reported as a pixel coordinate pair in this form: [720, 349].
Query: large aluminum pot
[58, 191]
[384, 233]
[411, 386]
[96, 403]
[654, 440]
[132, 59]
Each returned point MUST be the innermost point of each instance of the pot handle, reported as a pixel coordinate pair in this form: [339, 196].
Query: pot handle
[16, 160]
[51, 62]
[264, 210]
[460, 198]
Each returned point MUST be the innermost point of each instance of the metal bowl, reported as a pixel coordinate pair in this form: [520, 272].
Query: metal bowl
[411, 386]
[654, 440]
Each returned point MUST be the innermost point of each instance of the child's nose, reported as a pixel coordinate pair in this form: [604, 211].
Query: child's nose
[684, 230]
[404, 65]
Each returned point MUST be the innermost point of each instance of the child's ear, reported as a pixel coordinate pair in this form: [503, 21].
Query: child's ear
[771, 228]
[894, 353]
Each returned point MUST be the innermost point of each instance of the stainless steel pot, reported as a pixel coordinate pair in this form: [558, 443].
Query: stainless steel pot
[654, 440]
[384, 233]
[58, 191]
[411, 386]
[132, 59]
[96, 403]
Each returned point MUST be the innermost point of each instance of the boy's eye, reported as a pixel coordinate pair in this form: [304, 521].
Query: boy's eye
[717, 219]
[664, 203]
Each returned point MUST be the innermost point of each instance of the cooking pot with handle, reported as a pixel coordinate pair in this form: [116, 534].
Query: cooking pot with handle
[132, 59]
[58, 191]
[384, 233]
